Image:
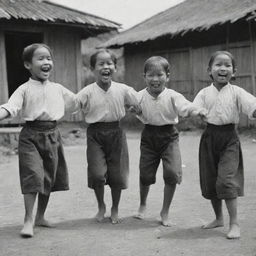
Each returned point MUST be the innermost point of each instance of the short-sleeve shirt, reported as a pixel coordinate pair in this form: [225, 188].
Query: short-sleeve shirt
[163, 109]
[99, 105]
[224, 105]
[45, 101]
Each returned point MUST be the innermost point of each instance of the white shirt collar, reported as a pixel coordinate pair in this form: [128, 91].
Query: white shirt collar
[36, 82]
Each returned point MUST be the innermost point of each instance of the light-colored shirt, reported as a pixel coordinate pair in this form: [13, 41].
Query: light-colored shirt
[45, 101]
[99, 105]
[164, 109]
[225, 105]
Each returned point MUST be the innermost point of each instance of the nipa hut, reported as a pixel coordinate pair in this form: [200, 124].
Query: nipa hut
[186, 35]
[23, 22]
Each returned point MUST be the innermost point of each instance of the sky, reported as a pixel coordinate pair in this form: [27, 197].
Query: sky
[126, 12]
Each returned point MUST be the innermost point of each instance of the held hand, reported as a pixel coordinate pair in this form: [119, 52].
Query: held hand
[83, 101]
[254, 114]
[135, 110]
[203, 114]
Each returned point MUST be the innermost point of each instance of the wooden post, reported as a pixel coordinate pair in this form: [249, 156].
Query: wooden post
[192, 75]
[227, 36]
[4, 95]
[78, 64]
[252, 58]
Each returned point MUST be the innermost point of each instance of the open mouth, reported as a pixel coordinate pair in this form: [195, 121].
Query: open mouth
[46, 69]
[155, 85]
[105, 74]
[221, 75]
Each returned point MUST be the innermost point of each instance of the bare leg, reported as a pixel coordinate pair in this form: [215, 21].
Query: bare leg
[99, 193]
[116, 195]
[168, 196]
[42, 204]
[234, 229]
[29, 201]
[218, 222]
[143, 201]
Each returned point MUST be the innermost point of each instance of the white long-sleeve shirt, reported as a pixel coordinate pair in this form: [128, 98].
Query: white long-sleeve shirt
[225, 105]
[164, 109]
[45, 101]
[99, 105]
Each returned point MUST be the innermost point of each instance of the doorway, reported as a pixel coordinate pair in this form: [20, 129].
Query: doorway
[14, 45]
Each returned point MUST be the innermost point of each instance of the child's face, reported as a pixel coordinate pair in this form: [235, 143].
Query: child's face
[221, 70]
[104, 68]
[156, 79]
[41, 64]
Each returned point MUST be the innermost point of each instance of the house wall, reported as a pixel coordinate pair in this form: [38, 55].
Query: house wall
[68, 61]
[3, 74]
[189, 56]
[64, 42]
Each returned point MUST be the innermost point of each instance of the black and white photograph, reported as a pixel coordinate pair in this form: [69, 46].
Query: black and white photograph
[127, 128]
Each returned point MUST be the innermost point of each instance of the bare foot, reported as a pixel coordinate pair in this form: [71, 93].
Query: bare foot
[141, 213]
[234, 232]
[43, 223]
[213, 224]
[165, 220]
[27, 230]
[101, 213]
[114, 216]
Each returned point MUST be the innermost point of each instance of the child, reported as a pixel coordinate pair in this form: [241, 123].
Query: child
[220, 156]
[41, 158]
[103, 103]
[159, 140]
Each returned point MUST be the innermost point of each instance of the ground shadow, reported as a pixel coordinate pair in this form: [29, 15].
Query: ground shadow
[193, 233]
[8, 232]
[127, 223]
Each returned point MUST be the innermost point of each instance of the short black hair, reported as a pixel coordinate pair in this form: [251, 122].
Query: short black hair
[93, 58]
[29, 50]
[152, 61]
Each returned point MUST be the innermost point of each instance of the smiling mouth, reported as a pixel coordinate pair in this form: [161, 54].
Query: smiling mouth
[105, 75]
[46, 69]
[221, 77]
[155, 85]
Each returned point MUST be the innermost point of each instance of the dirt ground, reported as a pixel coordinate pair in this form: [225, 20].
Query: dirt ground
[77, 233]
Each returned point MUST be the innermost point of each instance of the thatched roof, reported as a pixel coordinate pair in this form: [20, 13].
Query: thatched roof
[187, 16]
[46, 11]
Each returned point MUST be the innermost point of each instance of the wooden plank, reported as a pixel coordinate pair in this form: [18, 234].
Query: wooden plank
[22, 27]
[4, 95]
[227, 35]
[135, 63]
[244, 74]
[192, 72]
[160, 52]
[252, 62]
[79, 64]
[65, 53]
[240, 44]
